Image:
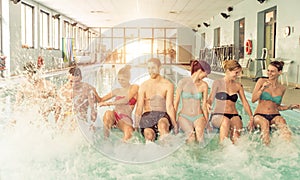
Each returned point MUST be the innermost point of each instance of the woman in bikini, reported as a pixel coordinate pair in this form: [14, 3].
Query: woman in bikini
[190, 93]
[225, 92]
[124, 102]
[269, 92]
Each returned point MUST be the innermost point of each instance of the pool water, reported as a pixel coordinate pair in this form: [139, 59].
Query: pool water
[39, 150]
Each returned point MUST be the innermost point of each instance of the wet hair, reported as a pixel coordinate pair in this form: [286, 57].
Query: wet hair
[277, 64]
[75, 71]
[203, 65]
[156, 61]
[231, 65]
[125, 71]
[30, 67]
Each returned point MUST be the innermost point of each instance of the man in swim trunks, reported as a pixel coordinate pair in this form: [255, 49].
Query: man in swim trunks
[155, 112]
[74, 98]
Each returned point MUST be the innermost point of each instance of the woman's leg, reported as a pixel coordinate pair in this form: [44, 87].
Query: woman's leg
[200, 125]
[223, 123]
[126, 127]
[108, 121]
[236, 126]
[188, 129]
[280, 123]
[264, 125]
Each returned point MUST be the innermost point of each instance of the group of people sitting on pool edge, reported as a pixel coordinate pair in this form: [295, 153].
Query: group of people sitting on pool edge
[158, 112]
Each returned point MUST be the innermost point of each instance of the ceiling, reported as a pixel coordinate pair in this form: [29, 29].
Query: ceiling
[110, 13]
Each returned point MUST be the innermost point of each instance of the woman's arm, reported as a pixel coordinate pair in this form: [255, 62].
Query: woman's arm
[260, 86]
[212, 95]
[205, 96]
[177, 95]
[246, 107]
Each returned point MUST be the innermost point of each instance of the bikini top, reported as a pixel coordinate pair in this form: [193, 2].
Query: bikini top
[267, 96]
[224, 96]
[187, 95]
[132, 101]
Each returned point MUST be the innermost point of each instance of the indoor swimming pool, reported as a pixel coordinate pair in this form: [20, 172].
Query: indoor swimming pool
[38, 150]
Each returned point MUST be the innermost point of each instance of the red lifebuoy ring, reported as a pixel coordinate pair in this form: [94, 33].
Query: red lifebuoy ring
[248, 47]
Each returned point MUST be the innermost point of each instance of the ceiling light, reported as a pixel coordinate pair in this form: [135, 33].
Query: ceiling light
[230, 8]
[15, 1]
[97, 12]
[261, 1]
[206, 24]
[224, 15]
[174, 12]
[56, 16]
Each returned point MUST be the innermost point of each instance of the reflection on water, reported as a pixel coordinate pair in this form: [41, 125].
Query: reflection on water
[30, 150]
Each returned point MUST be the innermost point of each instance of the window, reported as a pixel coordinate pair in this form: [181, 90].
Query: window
[55, 33]
[217, 37]
[44, 30]
[27, 25]
[67, 29]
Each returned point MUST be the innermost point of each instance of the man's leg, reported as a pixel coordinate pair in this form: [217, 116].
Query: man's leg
[163, 127]
[149, 134]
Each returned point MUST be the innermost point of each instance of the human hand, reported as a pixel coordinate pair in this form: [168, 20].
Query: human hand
[137, 129]
[175, 129]
[208, 107]
[266, 84]
[250, 125]
[209, 128]
[294, 106]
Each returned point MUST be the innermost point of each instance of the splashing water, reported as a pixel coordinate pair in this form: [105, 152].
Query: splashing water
[34, 148]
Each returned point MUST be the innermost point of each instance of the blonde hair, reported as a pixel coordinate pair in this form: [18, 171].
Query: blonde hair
[231, 65]
[125, 71]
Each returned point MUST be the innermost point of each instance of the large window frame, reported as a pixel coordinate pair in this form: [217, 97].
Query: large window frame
[44, 29]
[55, 33]
[27, 22]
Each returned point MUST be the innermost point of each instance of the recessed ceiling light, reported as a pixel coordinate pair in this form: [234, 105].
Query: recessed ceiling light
[97, 12]
[174, 12]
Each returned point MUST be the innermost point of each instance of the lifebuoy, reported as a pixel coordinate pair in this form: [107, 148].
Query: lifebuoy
[248, 47]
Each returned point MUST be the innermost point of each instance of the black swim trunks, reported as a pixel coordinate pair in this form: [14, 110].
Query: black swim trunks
[150, 120]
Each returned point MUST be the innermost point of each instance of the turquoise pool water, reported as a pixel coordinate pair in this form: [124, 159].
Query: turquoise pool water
[31, 151]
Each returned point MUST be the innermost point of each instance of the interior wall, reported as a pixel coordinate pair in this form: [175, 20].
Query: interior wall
[287, 15]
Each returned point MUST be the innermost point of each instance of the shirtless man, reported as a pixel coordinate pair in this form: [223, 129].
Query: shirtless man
[155, 111]
[74, 98]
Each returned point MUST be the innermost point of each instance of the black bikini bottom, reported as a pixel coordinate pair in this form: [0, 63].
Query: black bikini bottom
[269, 117]
[229, 116]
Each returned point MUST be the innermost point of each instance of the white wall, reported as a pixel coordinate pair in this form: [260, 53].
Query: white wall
[288, 14]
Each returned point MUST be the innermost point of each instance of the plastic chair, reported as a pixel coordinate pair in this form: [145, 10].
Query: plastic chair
[263, 65]
[245, 66]
[285, 71]
[264, 55]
